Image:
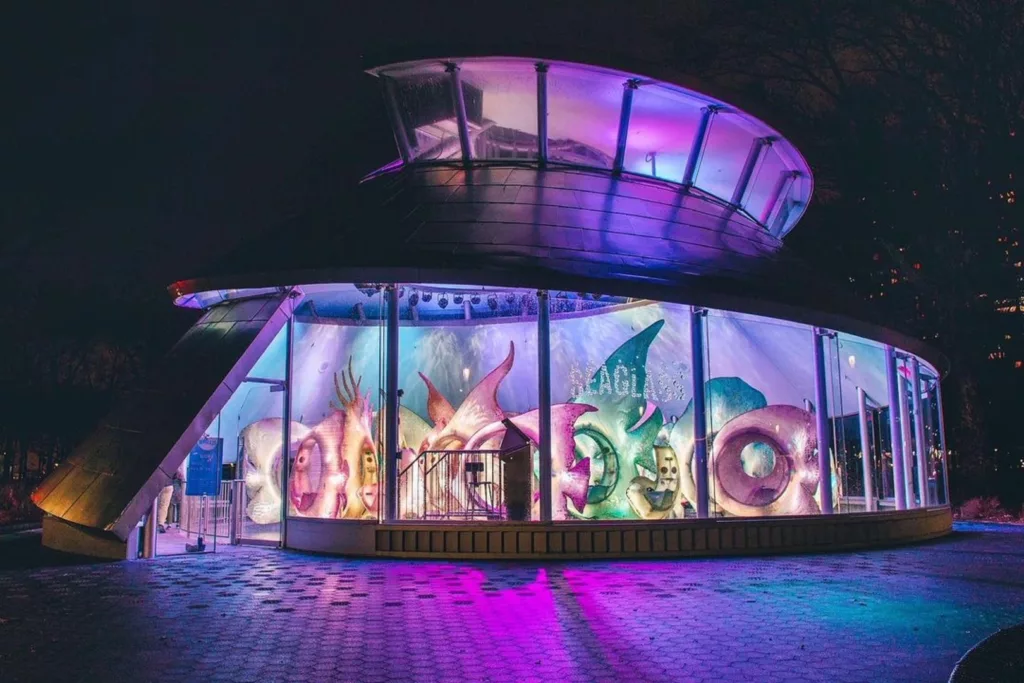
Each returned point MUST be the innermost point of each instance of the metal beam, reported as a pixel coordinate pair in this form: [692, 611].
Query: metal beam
[628, 88]
[397, 124]
[542, 112]
[757, 149]
[867, 469]
[700, 139]
[895, 433]
[286, 422]
[459, 102]
[700, 427]
[391, 450]
[908, 461]
[544, 391]
[786, 180]
[919, 449]
[821, 422]
[942, 439]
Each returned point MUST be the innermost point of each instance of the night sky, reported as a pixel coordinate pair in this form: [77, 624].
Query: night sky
[147, 141]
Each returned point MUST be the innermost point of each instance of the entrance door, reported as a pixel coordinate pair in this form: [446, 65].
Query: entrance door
[258, 427]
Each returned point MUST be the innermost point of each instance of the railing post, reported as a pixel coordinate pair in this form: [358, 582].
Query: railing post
[895, 433]
[700, 138]
[821, 422]
[544, 402]
[391, 450]
[628, 88]
[700, 428]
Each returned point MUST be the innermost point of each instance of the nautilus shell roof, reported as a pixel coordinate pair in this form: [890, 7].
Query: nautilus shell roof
[672, 133]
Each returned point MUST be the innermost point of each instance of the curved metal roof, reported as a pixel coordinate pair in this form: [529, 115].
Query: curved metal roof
[556, 112]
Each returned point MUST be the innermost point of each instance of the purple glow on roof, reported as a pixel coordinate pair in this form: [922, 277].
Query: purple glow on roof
[584, 104]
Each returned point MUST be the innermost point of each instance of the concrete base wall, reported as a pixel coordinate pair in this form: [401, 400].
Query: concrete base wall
[580, 540]
[72, 538]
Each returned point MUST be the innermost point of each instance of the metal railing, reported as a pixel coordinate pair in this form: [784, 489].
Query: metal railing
[453, 485]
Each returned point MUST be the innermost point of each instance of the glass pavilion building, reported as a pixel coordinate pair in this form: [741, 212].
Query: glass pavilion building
[563, 323]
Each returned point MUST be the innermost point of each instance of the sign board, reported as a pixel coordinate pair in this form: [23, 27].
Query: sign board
[204, 468]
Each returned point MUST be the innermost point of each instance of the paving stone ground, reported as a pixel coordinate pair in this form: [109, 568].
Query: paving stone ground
[904, 614]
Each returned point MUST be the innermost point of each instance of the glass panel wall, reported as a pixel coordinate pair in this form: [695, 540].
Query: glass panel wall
[762, 440]
[622, 414]
[620, 385]
[507, 107]
[335, 458]
[662, 127]
[583, 116]
[468, 376]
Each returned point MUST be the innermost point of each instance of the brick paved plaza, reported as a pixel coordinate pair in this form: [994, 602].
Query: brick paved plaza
[904, 614]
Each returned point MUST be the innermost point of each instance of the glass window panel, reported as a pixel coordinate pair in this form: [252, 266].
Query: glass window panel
[336, 439]
[507, 124]
[461, 377]
[859, 365]
[725, 153]
[424, 99]
[760, 381]
[765, 182]
[583, 115]
[620, 384]
[662, 125]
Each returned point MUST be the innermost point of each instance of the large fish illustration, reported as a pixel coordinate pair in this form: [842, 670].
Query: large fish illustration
[725, 398]
[619, 436]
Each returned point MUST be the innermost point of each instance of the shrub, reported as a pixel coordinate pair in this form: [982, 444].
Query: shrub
[984, 508]
[16, 505]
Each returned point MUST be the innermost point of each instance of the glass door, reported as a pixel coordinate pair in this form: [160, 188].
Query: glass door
[257, 427]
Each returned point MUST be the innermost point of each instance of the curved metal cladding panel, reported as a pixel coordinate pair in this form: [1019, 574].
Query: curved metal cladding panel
[533, 227]
[112, 477]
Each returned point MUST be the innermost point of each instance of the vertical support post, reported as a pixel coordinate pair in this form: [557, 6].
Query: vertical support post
[542, 112]
[467, 309]
[149, 531]
[286, 421]
[942, 439]
[908, 459]
[821, 422]
[628, 88]
[919, 449]
[544, 400]
[699, 140]
[391, 452]
[459, 102]
[865, 449]
[754, 156]
[700, 428]
[397, 124]
[895, 433]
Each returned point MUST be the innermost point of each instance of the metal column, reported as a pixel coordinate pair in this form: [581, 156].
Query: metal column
[906, 443]
[700, 138]
[942, 438]
[628, 88]
[700, 430]
[895, 434]
[459, 103]
[821, 422]
[542, 112]
[391, 451]
[544, 402]
[286, 423]
[865, 449]
[919, 449]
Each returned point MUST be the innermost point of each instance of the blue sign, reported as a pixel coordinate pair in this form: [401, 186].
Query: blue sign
[204, 468]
